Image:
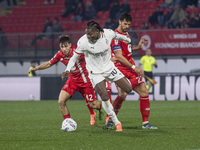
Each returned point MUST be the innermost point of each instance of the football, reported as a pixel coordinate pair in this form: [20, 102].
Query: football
[69, 125]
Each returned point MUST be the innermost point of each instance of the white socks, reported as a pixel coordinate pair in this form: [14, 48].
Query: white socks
[109, 110]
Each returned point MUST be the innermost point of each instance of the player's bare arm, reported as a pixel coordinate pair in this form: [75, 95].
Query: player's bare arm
[123, 60]
[41, 67]
[142, 42]
[70, 65]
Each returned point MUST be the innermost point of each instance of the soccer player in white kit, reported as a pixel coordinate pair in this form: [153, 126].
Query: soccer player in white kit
[95, 45]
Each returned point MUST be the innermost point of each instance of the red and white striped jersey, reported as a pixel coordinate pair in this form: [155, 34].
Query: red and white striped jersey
[78, 72]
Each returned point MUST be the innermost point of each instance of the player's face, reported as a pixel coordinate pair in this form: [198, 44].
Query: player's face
[125, 25]
[65, 48]
[148, 52]
[92, 35]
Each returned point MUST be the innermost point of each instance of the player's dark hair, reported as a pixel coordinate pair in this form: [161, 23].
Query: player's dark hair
[93, 25]
[125, 16]
[64, 39]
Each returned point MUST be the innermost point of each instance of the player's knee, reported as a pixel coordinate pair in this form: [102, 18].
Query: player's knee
[122, 94]
[105, 97]
[62, 102]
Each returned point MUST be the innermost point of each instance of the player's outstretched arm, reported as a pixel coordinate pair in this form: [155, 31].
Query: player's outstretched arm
[41, 67]
[122, 38]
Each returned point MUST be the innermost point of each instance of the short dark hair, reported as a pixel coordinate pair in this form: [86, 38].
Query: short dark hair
[125, 16]
[64, 39]
[93, 24]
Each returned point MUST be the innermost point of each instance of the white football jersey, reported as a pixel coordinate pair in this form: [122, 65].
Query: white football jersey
[97, 55]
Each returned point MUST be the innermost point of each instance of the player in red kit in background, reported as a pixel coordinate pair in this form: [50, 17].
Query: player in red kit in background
[78, 79]
[125, 63]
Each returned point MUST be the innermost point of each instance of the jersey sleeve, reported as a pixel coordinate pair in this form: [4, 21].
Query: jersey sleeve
[109, 33]
[153, 60]
[116, 45]
[80, 46]
[55, 59]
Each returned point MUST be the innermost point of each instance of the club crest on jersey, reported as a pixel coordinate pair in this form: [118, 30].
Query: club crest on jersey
[116, 42]
[67, 58]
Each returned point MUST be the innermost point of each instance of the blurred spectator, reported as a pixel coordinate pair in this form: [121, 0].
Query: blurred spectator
[69, 8]
[46, 32]
[114, 10]
[195, 23]
[198, 4]
[101, 5]
[157, 17]
[56, 27]
[192, 9]
[144, 26]
[48, 1]
[110, 24]
[125, 7]
[167, 4]
[78, 12]
[168, 15]
[90, 11]
[3, 39]
[178, 18]
[47, 23]
[14, 2]
[185, 3]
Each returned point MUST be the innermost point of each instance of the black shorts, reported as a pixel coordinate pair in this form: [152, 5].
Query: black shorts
[149, 74]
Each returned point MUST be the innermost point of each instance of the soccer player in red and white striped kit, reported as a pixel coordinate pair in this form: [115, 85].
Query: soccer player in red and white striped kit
[78, 79]
[125, 63]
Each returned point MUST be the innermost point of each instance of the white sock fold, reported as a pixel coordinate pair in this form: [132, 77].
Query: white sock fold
[107, 106]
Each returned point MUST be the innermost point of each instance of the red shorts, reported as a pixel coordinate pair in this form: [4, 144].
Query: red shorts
[133, 77]
[85, 89]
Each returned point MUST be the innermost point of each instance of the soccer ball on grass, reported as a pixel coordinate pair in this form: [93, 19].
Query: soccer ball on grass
[69, 125]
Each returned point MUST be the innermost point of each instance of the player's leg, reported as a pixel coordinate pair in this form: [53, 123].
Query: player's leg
[116, 105]
[90, 97]
[144, 105]
[63, 97]
[102, 91]
[119, 100]
[124, 84]
[108, 87]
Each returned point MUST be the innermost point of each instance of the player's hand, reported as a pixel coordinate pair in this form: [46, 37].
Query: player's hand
[113, 59]
[64, 74]
[32, 69]
[142, 42]
[139, 71]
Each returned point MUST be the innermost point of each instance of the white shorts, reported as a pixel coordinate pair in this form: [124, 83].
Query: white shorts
[112, 75]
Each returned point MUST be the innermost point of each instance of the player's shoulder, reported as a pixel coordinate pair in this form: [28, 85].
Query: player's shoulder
[82, 40]
[108, 31]
[73, 48]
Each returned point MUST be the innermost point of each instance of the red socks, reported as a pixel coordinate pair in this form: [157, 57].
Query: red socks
[66, 116]
[145, 108]
[117, 104]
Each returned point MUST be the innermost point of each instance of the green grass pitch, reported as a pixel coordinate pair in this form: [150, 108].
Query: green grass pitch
[35, 125]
